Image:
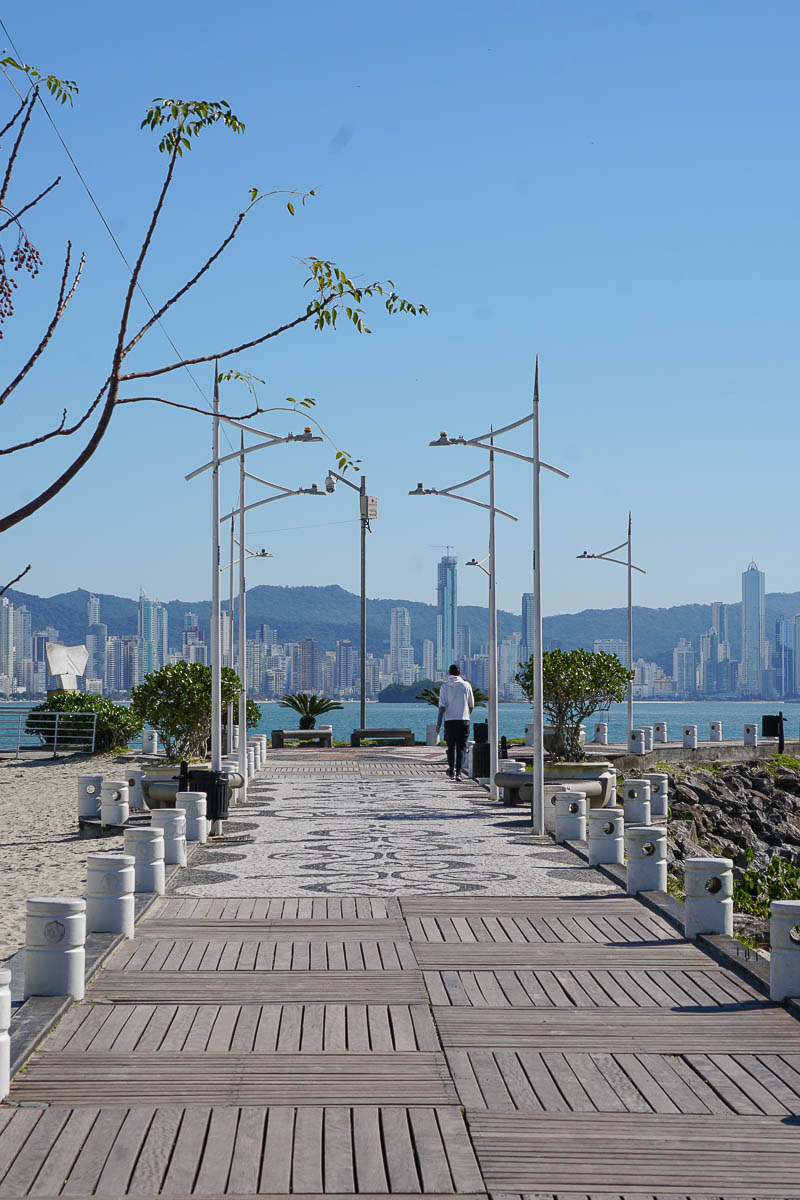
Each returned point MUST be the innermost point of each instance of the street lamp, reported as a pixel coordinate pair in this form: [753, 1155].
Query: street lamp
[368, 508]
[452, 493]
[485, 441]
[606, 557]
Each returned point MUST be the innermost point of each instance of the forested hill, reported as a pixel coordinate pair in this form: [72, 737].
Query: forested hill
[330, 613]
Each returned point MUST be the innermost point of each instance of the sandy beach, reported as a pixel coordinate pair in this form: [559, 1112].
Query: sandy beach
[42, 854]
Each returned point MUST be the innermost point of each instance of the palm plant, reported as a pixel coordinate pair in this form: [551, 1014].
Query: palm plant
[308, 706]
[431, 696]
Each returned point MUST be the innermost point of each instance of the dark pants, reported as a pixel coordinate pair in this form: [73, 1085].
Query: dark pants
[456, 734]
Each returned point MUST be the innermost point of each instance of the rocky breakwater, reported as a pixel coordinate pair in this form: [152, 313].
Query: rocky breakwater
[749, 813]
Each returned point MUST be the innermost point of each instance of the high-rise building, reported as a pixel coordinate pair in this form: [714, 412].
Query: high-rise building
[684, 668]
[308, 665]
[719, 620]
[618, 646]
[190, 620]
[783, 657]
[346, 660]
[428, 659]
[527, 626]
[447, 612]
[153, 634]
[93, 610]
[464, 645]
[753, 630]
[401, 652]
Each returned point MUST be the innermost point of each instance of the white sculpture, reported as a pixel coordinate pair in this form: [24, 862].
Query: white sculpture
[66, 663]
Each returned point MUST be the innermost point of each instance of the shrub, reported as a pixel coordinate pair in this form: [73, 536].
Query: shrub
[116, 723]
[575, 683]
[176, 700]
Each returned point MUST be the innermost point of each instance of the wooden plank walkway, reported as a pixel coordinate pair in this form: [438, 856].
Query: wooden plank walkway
[476, 1046]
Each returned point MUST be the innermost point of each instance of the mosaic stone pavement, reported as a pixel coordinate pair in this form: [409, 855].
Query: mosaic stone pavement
[383, 836]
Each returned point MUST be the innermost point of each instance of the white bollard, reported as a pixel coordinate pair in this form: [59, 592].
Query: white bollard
[601, 733]
[647, 730]
[149, 741]
[234, 737]
[431, 736]
[172, 823]
[516, 768]
[136, 798]
[659, 794]
[660, 731]
[193, 805]
[709, 891]
[114, 807]
[751, 734]
[715, 731]
[551, 790]
[529, 733]
[636, 801]
[259, 753]
[146, 844]
[55, 939]
[570, 816]
[646, 851]
[606, 836]
[89, 795]
[5, 1041]
[784, 961]
[636, 741]
[690, 737]
[111, 879]
[251, 761]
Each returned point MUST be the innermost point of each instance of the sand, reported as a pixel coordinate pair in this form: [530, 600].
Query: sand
[42, 854]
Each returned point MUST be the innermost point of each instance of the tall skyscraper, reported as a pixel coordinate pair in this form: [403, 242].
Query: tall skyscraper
[447, 612]
[153, 634]
[93, 610]
[346, 664]
[527, 626]
[309, 665]
[719, 620]
[684, 667]
[428, 659]
[401, 652]
[753, 630]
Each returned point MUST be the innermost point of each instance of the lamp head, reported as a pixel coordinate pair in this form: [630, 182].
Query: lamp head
[473, 562]
[442, 440]
[419, 490]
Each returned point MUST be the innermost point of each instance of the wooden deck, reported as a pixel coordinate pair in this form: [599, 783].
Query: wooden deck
[519, 1049]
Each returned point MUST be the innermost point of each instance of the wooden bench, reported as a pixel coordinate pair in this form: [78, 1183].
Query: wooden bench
[322, 736]
[404, 736]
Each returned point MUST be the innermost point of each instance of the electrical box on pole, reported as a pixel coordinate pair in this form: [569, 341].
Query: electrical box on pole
[369, 508]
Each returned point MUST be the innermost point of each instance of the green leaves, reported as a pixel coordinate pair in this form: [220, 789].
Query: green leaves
[337, 292]
[308, 706]
[185, 120]
[60, 89]
[575, 683]
[176, 700]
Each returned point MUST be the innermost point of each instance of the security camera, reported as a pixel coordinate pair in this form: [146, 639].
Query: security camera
[330, 484]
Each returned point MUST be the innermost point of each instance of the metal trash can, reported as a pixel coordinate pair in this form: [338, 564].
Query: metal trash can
[215, 786]
[480, 760]
[480, 731]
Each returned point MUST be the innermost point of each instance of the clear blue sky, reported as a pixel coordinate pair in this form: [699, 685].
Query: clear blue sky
[612, 185]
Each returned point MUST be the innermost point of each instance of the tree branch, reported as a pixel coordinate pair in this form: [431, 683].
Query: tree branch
[204, 412]
[15, 150]
[21, 575]
[15, 117]
[14, 218]
[64, 298]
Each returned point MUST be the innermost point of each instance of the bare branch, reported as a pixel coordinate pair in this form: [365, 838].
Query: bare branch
[64, 298]
[61, 430]
[5, 130]
[204, 412]
[189, 362]
[13, 155]
[14, 218]
[21, 575]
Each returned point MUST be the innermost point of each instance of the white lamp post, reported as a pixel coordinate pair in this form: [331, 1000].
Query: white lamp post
[606, 557]
[451, 492]
[486, 442]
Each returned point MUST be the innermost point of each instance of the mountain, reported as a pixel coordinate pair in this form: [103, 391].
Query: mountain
[330, 613]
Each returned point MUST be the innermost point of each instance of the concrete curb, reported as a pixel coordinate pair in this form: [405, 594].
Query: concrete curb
[34, 1019]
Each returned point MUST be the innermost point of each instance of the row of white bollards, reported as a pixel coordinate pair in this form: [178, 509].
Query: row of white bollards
[641, 740]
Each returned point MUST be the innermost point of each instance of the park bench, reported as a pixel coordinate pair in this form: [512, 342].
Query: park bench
[280, 736]
[404, 736]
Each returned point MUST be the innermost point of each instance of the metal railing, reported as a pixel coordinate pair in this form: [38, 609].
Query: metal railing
[22, 730]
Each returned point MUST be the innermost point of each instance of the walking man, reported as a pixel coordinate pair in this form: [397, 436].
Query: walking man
[456, 703]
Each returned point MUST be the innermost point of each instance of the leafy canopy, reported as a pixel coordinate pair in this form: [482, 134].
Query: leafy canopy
[116, 723]
[308, 705]
[60, 89]
[185, 119]
[575, 683]
[176, 700]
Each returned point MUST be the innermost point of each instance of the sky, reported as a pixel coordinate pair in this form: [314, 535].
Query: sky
[612, 186]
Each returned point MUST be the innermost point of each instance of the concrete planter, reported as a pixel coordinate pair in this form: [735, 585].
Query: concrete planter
[550, 736]
[598, 775]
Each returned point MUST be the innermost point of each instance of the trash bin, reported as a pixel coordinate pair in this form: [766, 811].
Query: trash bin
[480, 760]
[215, 786]
[480, 731]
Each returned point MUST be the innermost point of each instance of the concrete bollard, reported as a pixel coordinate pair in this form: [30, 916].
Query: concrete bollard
[136, 798]
[234, 737]
[431, 736]
[55, 939]
[636, 801]
[690, 737]
[251, 761]
[647, 730]
[89, 795]
[659, 794]
[193, 805]
[149, 741]
[646, 852]
[601, 733]
[715, 731]
[114, 807]
[570, 816]
[529, 733]
[784, 961]
[636, 741]
[147, 847]
[751, 734]
[551, 790]
[709, 891]
[606, 836]
[5, 1041]
[111, 879]
[516, 768]
[660, 731]
[259, 753]
[172, 823]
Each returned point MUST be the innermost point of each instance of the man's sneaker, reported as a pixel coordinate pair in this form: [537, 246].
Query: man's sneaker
[459, 777]
[450, 774]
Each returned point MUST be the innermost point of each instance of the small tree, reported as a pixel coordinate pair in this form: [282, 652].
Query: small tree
[575, 683]
[308, 706]
[176, 700]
